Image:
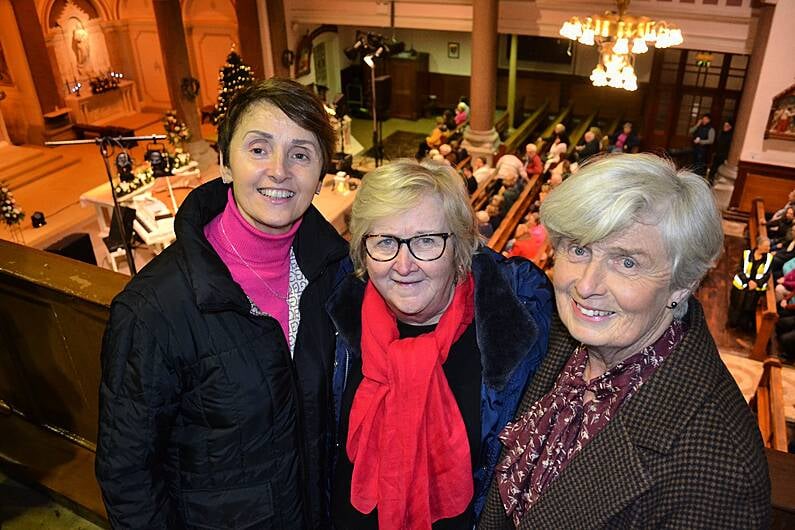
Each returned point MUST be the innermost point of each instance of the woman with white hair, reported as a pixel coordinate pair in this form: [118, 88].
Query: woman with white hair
[437, 339]
[461, 114]
[632, 420]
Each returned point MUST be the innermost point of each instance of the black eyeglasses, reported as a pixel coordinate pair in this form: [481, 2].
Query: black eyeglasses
[424, 247]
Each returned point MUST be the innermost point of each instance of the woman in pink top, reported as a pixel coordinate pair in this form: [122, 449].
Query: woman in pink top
[216, 363]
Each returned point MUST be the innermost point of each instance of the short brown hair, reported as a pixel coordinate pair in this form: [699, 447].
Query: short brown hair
[294, 99]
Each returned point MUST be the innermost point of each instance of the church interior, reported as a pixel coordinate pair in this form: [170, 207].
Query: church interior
[79, 76]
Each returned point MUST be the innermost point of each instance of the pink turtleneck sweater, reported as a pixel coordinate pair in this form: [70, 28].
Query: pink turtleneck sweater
[266, 255]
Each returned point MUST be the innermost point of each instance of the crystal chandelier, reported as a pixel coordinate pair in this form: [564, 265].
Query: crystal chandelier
[619, 38]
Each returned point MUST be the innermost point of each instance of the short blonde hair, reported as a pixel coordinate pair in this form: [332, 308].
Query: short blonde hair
[610, 193]
[399, 186]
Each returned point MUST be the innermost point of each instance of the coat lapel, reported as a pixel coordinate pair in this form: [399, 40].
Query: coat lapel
[598, 483]
[608, 473]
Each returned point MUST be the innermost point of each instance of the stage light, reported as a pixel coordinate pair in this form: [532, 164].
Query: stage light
[37, 219]
[124, 165]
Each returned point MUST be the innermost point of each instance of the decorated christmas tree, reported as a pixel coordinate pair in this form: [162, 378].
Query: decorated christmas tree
[233, 76]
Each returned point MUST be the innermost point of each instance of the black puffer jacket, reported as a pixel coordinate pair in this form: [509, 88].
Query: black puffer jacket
[205, 421]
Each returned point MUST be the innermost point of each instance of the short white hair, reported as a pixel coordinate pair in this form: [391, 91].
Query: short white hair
[610, 193]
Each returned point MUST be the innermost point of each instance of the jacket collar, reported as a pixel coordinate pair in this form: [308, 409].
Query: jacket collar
[316, 244]
[614, 453]
[504, 327]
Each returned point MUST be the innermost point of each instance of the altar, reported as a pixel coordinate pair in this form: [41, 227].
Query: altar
[154, 218]
[99, 109]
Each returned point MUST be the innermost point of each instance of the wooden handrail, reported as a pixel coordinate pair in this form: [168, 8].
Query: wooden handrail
[769, 404]
[481, 196]
[507, 227]
[767, 316]
[580, 131]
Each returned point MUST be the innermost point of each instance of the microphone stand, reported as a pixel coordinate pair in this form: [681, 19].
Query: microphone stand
[105, 143]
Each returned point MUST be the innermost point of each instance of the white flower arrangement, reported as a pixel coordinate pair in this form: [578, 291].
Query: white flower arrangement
[143, 180]
[12, 214]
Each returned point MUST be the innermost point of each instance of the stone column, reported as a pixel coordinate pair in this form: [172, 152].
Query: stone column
[171, 33]
[277, 28]
[38, 58]
[249, 35]
[481, 139]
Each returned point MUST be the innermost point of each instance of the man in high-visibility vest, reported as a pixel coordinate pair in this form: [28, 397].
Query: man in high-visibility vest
[749, 283]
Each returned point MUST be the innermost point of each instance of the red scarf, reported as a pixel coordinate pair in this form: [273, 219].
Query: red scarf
[406, 436]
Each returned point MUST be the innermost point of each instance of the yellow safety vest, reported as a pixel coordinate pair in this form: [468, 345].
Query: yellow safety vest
[761, 270]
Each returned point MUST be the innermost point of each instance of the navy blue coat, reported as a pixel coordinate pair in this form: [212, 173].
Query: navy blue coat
[513, 310]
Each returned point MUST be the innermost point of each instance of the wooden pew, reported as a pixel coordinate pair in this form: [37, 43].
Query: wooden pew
[766, 312]
[580, 131]
[513, 142]
[482, 195]
[768, 401]
[515, 215]
[560, 118]
[501, 125]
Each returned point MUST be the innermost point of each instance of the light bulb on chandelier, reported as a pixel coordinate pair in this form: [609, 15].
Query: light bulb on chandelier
[619, 38]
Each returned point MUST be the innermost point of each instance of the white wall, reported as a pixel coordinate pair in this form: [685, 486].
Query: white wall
[777, 73]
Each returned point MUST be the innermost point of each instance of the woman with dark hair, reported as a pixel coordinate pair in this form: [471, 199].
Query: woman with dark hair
[216, 361]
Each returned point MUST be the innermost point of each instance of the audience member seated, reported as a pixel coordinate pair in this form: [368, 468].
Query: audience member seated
[749, 284]
[484, 226]
[446, 150]
[461, 114]
[493, 209]
[785, 287]
[790, 204]
[625, 141]
[785, 329]
[530, 241]
[480, 170]
[448, 116]
[532, 162]
[556, 155]
[590, 144]
[558, 136]
[542, 195]
[437, 138]
[469, 180]
[778, 228]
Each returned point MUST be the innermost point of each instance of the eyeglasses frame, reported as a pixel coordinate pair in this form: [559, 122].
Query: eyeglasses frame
[401, 241]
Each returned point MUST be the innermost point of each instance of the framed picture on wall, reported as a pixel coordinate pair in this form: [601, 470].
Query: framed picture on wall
[453, 50]
[781, 122]
[303, 65]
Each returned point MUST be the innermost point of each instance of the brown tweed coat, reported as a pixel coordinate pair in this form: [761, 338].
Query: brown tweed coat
[684, 452]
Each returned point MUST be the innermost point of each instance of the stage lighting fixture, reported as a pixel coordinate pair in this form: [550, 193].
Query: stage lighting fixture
[124, 165]
[37, 219]
[353, 51]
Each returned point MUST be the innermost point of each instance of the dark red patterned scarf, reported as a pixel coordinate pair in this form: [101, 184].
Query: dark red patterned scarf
[544, 439]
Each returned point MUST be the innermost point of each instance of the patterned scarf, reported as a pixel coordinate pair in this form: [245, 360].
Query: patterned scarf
[541, 442]
[407, 440]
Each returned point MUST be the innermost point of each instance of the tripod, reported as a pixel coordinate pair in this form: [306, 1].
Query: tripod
[105, 144]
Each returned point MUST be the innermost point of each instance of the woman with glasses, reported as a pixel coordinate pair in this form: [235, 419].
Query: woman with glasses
[437, 338]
